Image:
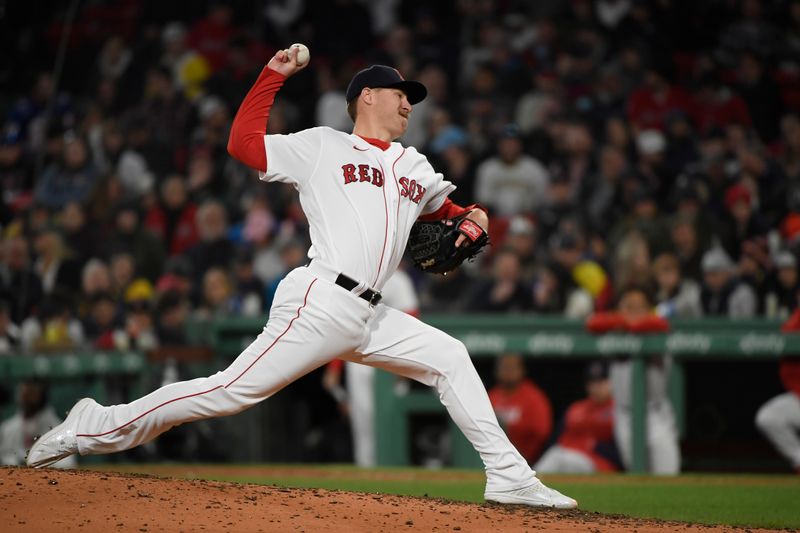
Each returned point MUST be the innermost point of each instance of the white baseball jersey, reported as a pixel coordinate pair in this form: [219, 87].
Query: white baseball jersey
[360, 200]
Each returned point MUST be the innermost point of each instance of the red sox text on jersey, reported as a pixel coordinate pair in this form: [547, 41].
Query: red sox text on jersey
[364, 173]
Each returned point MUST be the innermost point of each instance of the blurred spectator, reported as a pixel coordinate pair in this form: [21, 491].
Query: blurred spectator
[651, 103]
[605, 196]
[577, 162]
[557, 204]
[779, 418]
[761, 94]
[130, 236]
[505, 291]
[547, 296]
[34, 418]
[160, 122]
[783, 289]
[16, 172]
[71, 179]
[651, 171]
[717, 106]
[790, 158]
[511, 183]
[9, 331]
[95, 278]
[632, 260]
[174, 217]
[681, 151]
[172, 310]
[457, 162]
[584, 283]
[240, 68]
[722, 293]
[446, 294]
[635, 315]
[53, 328]
[248, 289]
[178, 276]
[135, 167]
[741, 223]
[113, 59]
[80, 236]
[20, 284]
[139, 330]
[209, 36]
[685, 243]
[535, 107]
[522, 408]
[213, 130]
[676, 296]
[521, 238]
[330, 111]
[55, 267]
[107, 143]
[214, 249]
[102, 322]
[122, 268]
[218, 300]
[189, 69]
[586, 443]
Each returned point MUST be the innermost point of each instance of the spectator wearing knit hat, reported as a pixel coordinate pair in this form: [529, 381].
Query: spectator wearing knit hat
[722, 293]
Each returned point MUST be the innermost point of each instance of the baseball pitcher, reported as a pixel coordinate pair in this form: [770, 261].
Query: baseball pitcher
[361, 193]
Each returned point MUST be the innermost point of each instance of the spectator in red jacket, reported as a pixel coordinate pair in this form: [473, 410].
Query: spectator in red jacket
[649, 106]
[521, 406]
[779, 418]
[586, 444]
[174, 218]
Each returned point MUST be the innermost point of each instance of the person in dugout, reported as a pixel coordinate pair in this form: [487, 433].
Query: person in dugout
[522, 407]
[635, 313]
[779, 418]
[586, 443]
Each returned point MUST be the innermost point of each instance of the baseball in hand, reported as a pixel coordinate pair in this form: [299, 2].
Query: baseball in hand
[303, 55]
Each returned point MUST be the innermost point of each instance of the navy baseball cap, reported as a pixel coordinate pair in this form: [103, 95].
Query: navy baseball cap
[381, 76]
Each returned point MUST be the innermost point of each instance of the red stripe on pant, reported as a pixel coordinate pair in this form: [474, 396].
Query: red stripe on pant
[305, 300]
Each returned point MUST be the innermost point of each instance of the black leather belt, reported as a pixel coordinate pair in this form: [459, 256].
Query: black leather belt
[373, 297]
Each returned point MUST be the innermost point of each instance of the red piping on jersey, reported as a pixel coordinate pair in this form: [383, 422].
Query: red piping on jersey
[397, 185]
[380, 143]
[305, 300]
[246, 141]
[385, 229]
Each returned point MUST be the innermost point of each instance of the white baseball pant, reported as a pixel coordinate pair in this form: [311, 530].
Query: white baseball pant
[361, 394]
[779, 420]
[663, 448]
[313, 321]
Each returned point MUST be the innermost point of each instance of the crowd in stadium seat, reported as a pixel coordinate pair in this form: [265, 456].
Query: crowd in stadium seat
[614, 142]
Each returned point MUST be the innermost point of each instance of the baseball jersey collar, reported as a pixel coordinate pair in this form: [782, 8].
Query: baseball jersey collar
[383, 145]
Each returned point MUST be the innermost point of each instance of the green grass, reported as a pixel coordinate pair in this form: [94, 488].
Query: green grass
[736, 500]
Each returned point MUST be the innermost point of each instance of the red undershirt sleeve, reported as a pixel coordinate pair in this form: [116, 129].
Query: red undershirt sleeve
[246, 141]
[450, 209]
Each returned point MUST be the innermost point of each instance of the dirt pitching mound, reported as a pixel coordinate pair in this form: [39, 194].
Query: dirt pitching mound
[53, 500]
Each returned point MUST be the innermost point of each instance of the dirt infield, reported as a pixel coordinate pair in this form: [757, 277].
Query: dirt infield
[52, 500]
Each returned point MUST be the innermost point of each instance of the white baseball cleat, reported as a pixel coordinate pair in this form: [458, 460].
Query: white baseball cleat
[59, 442]
[536, 495]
